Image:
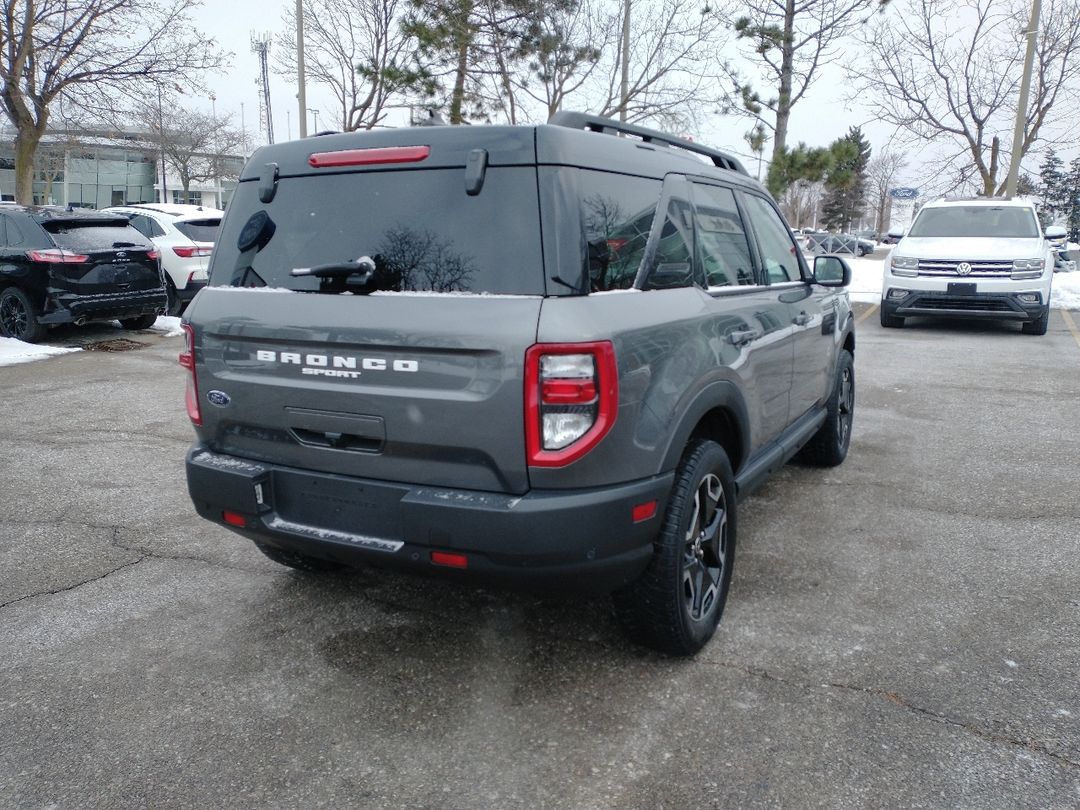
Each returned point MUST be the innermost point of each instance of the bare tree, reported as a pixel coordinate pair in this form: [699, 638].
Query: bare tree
[790, 41]
[90, 54]
[674, 64]
[882, 174]
[355, 48]
[192, 141]
[801, 202]
[955, 85]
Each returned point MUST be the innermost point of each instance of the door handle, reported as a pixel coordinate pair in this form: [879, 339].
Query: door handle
[802, 319]
[741, 337]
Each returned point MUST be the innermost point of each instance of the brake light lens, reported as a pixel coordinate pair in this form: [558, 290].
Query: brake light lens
[571, 399]
[153, 255]
[189, 252]
[187, 360]
[370, 156]
[56, 256]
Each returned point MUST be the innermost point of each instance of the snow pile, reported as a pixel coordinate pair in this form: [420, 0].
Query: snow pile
[1065, 294]
[167, 326]
[15, 351]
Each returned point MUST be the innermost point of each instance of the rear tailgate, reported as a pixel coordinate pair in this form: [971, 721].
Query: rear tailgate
[116, 258]
[420, 382]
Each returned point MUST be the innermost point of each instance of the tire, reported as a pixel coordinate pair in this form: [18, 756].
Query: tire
[829, 446]
[142, 322]
[890, 321]
[1039, 325]
[174, 305]
[676, 604]
[19, 316]
[301, 562]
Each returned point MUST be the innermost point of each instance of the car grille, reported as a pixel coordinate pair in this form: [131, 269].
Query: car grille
[979, 268]
[958, 302]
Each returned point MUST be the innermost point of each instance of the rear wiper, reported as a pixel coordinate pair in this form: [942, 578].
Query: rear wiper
[364, 266]
[127, 244]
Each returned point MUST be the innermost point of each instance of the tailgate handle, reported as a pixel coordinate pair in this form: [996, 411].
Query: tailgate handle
[337, 441]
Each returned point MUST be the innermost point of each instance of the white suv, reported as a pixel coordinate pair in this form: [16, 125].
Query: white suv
[981, 258]
[185, 236]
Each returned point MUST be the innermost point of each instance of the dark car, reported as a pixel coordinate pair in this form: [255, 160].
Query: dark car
[537, 355]
[59, 266]
[839, 243]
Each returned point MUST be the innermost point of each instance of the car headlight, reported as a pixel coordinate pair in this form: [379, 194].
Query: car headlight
[1027, 268]
[905, 266]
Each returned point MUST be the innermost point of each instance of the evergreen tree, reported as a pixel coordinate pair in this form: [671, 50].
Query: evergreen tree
[790, 166]
[1054, 191]
[1071, 197]
[845, 184]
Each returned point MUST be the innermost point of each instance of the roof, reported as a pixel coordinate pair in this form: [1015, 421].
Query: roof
[55, 213]
[989, 202]
[178, 210]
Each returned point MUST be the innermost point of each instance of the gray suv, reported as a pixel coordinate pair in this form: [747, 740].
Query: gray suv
[538, 355]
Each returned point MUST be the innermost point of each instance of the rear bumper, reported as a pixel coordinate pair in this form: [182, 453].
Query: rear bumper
[992, 306]
[574, 540]
[185, 294]
[70, 308]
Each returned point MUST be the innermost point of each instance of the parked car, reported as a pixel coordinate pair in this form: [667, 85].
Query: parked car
[981, 258]
[185, 236]
[825, 242]
[59, 266]
[538, 355]
[1064, 262]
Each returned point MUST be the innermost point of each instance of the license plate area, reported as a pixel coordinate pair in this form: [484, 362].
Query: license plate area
[338, 503]
[959, 288]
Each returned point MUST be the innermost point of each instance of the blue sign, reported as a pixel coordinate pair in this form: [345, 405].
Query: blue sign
[903, 193]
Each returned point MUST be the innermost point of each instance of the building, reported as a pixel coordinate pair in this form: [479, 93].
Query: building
[89, 169]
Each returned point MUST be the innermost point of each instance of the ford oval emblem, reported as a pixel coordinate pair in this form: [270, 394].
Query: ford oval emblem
[219, 398]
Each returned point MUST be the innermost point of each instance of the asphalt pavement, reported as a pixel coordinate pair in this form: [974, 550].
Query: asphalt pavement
[902, 630]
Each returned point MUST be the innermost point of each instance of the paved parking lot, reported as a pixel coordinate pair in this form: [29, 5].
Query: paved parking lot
[902, 630]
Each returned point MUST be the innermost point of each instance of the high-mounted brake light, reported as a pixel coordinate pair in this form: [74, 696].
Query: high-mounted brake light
[187, 360]
[368, 157]
[571, 399]
[188, 252]
[56, 256]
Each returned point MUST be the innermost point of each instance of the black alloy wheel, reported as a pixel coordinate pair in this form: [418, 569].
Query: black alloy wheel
[706, 547]
[829, 446]
[18, 316]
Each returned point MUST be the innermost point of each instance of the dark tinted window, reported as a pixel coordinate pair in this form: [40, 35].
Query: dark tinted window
[89, 235]
[617, 212]
[976, 220]
[202, 230]
[420, 227]
[3, 231]
[779, 253]
[14, 234]
[723, 248]
[672, 264]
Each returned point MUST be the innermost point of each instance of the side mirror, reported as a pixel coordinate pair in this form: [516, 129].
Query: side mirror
[1056, 232]
[831, 271]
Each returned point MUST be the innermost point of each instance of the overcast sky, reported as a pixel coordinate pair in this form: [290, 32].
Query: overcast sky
[821, 117]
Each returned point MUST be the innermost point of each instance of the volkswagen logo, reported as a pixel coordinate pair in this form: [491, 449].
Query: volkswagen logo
[963, 269]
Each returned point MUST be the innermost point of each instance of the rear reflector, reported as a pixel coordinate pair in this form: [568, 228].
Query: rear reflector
[234, 518]
[368, 157]
[449, 560]
[643, 511]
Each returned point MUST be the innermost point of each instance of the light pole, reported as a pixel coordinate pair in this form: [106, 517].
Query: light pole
[301, 94]
[1013, 178]
[314, 119]
[624, 84]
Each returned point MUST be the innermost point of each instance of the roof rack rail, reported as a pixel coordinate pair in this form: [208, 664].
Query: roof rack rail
[596, 123]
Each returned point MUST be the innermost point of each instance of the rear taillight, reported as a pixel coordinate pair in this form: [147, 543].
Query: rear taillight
[189, 252]
[56, 256]
[153, 255]
[187, 360]
[571, 398]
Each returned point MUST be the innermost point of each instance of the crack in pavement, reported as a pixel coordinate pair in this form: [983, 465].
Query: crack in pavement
[108, 573]
[1027, 743]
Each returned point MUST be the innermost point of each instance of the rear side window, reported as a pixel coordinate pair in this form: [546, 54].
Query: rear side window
[617, 213]
[202, 230]
[89, 235]
[673, 262]
[424, 233]
[723, 248]
[146, 226]
[14, 235]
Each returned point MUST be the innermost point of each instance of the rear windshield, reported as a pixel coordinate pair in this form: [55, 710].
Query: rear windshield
[976, 220]
[199, 230]
[91, 235]
[422, 230]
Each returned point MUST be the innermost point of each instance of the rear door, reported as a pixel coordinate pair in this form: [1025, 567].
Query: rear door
[418, 381]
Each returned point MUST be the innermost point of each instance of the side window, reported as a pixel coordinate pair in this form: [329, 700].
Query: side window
[723, 247]
[3, 231]
[617, 214]
[14, 235]
[672, 264]
[141, 224]
[153, 229]
[779, 253]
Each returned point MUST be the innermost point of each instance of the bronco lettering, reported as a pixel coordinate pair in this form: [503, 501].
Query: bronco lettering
[315, 363]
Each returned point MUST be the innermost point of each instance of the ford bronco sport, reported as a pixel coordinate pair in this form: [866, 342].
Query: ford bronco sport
[543, 355]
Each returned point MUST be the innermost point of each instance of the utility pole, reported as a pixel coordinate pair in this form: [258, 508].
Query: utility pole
[624, 85]
[1021, 111]
[161, 143]
[301, 93]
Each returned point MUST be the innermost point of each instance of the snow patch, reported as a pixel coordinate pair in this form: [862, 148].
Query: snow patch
[168, 326]
[15, 351]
